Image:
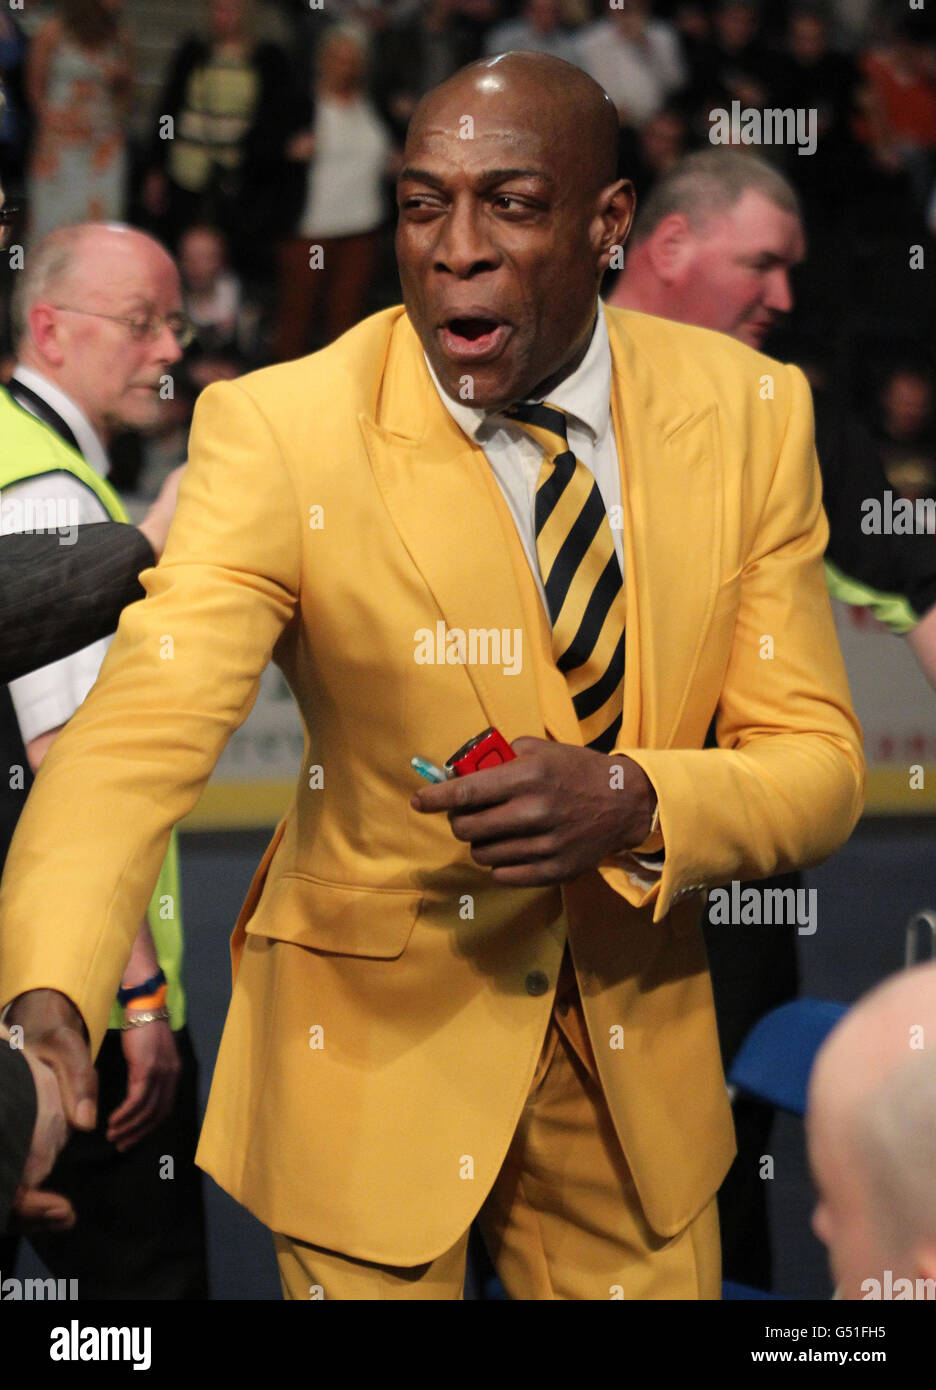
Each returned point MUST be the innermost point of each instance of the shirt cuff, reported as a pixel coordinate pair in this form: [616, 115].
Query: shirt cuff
[651, 851]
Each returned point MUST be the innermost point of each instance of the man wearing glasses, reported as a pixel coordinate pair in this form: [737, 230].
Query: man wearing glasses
[98, 327]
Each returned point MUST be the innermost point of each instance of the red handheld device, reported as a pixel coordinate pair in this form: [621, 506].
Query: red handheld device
[486, 749]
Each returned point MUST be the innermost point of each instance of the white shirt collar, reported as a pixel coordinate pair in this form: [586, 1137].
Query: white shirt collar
[89, 441]
[585, 395]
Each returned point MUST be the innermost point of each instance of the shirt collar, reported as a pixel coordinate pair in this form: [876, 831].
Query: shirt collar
[89, 441]
[585, 395]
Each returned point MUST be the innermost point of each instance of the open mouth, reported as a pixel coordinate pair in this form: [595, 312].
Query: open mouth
[473, 338]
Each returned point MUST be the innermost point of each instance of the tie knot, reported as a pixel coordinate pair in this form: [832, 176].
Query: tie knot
[547, 423]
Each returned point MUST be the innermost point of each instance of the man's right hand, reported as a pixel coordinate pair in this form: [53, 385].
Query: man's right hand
[155, 525]
[56, 1050]
[34, 1211]
[50, 1131]
[55, 1033]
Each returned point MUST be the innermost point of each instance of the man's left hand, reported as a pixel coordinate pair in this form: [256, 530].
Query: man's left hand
[552, 813]
[153, 1068]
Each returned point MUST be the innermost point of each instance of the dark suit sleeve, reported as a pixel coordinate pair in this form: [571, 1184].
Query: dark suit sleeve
[57, 598]
[17, 1120]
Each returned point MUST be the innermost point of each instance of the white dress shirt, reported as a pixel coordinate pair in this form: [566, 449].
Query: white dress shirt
[516, 458]
[49, 696]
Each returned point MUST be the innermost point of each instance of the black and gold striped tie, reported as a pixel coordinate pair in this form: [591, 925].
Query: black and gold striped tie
[581, 576]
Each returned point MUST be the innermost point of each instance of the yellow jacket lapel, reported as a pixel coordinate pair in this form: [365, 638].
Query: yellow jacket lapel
[672, 498]
[432, 479]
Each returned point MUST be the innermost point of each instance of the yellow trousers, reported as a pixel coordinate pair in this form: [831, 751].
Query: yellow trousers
[562, 1220]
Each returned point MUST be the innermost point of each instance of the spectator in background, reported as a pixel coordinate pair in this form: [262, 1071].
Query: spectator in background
[905, 430]
[99, 324]
[224, 322]
[233, 102]
[648, 154]
[472, 20]
[331, 259]
[79, 82]
[15, 115]
[539, 29]
[714, 245]
[636, 59]
[413, 57]
[811, 75]
[851, 20]
[899, 101]
[212, 293]
[871, 1127]
[735, 64]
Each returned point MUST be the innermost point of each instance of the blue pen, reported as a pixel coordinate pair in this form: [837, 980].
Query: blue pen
[428, 770]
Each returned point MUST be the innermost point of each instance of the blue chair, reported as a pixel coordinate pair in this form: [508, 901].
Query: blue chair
[776, 1058]
[773, 1065]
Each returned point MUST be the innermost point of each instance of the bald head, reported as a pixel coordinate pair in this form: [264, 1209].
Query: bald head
[509, 211]
[872, 1133]
[76, 310]
[88, 254]
[571, 111]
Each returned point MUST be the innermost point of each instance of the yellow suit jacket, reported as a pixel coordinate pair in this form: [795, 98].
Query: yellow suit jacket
[381, 1040]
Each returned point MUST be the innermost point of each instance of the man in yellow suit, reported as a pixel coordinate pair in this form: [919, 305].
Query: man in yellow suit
[508, 506]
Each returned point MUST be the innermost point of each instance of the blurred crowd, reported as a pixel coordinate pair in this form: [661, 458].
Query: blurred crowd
[278, 127]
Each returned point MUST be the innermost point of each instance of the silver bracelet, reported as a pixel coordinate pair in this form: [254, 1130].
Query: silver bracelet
[151, 1016]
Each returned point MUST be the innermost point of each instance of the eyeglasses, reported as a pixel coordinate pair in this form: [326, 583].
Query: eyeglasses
[8, 216]
[143, 326]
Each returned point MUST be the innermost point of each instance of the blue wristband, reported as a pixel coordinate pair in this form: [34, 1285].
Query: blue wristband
[124, 996]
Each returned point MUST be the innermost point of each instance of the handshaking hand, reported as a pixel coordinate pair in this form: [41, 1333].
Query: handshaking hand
[59, 1058]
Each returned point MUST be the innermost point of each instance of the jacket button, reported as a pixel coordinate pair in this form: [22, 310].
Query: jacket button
[536, 983]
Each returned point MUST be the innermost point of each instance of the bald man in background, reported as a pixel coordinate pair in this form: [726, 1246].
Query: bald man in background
[488, 998]
[97, 318]
[871, 1126]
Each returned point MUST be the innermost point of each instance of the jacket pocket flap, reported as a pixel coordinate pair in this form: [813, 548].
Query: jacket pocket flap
[335, 917]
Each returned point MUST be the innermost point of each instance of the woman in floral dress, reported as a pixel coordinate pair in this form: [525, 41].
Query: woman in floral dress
[79, 82]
